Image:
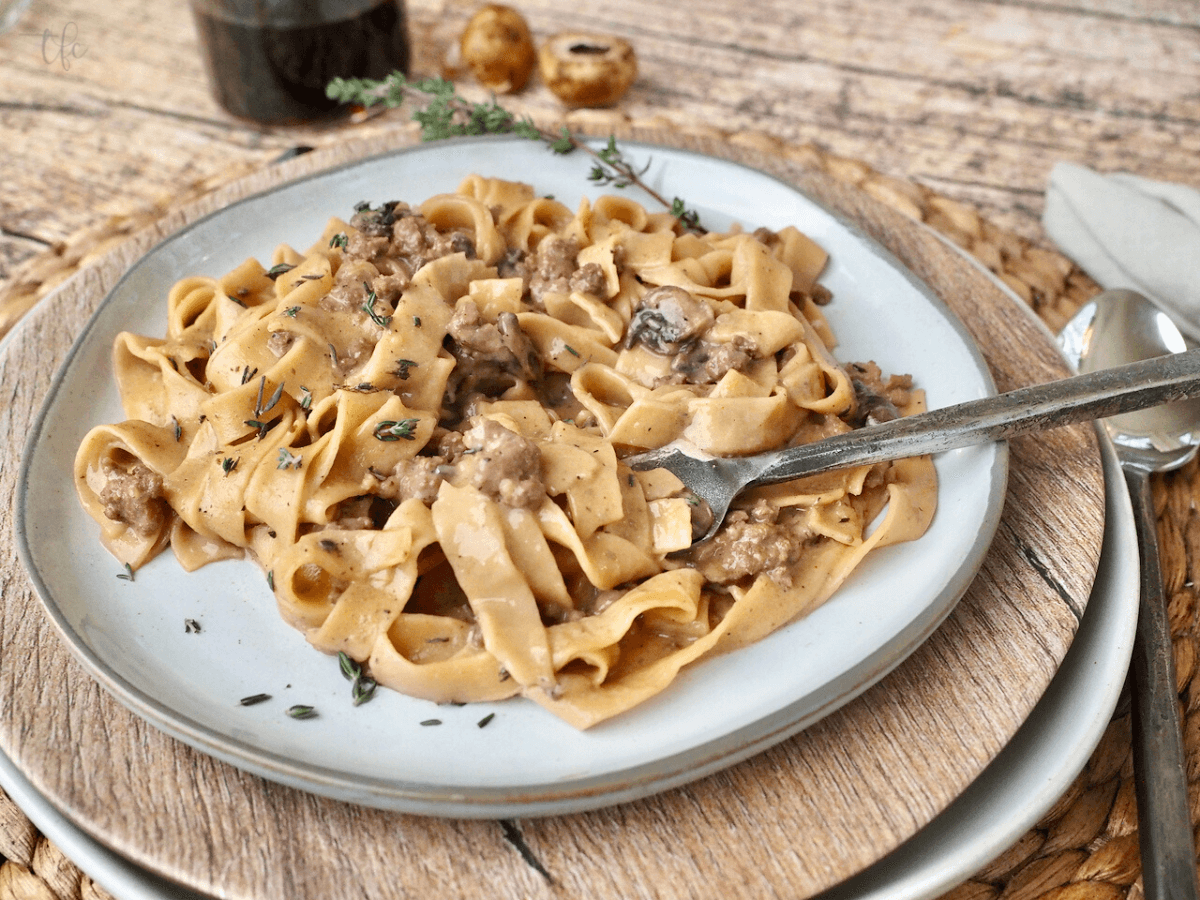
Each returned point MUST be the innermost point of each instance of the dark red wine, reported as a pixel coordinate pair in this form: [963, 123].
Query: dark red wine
[278, 73]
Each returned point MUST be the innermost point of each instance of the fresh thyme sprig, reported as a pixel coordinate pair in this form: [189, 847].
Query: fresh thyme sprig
[442, 113]
[617, 171]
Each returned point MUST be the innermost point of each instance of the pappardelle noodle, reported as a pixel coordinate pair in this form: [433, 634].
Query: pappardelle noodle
[417, 429]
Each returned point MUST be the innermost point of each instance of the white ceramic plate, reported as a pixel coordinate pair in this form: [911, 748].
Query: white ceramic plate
[131, 635]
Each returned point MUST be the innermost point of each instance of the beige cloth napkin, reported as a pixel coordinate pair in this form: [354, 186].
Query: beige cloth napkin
[1130, 232]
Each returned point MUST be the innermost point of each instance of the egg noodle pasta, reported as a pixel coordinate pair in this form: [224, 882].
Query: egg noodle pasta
[417, 428]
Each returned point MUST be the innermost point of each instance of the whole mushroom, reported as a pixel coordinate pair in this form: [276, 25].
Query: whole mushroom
[587, 69]
[498, 48]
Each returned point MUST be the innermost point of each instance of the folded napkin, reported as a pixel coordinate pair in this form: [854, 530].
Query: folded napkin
[1130, 232]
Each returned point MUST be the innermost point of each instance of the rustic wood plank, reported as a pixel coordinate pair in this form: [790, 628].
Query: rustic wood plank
[995, 94]
[787, 822]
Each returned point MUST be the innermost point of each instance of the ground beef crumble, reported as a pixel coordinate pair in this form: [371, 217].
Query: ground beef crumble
[417, 478]
[133, 495]
[762, 539]
[589, 279]
[502, 464]
[553, 266]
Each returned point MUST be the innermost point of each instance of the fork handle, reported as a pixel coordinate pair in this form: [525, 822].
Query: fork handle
[1079, 398]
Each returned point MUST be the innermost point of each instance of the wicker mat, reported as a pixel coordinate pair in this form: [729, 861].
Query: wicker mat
[1087, 845]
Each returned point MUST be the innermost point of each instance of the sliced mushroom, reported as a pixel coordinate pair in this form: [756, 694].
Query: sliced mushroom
[667, 317]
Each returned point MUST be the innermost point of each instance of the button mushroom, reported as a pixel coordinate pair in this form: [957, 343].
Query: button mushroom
[585, 69]
[498, 48]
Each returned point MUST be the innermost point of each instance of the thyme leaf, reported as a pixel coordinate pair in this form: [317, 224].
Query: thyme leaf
[127, 575]
[300, 711]
[369, 308]
[688, 218]
[363, 690]
[562, 145]
[263, 427]
[288, 460]
[350, 669]
[280, 269]
[363, 687]
[391, 430]
[259, 406]
[253, 699]
[612, 168]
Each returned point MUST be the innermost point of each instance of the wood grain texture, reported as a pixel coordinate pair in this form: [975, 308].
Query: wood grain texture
[785, 823]
[104, 109]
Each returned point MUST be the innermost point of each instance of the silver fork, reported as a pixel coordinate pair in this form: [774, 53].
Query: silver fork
[718, 480]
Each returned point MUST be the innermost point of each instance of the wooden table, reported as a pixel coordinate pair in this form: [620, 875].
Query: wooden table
[105, 110]
[949, 111]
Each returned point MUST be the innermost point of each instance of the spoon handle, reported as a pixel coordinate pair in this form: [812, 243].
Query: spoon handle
[1035, 408]
[1164, 820]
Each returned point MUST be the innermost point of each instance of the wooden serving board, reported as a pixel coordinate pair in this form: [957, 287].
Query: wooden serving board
[789, 822]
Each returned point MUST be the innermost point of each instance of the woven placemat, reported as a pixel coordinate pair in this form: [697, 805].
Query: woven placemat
[1086, 845]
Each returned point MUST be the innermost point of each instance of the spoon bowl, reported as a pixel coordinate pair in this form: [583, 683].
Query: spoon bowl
[1160, 438]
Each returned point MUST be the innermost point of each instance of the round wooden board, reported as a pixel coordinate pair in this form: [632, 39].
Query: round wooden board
[789, 822]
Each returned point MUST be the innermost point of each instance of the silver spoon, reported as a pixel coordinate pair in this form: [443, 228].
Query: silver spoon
[1116, 327]
[718, 480]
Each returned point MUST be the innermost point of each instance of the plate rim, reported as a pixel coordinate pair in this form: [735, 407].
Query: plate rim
[551, 798]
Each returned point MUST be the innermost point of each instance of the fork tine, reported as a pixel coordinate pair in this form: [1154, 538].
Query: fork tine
[659, 458]
[711, 480]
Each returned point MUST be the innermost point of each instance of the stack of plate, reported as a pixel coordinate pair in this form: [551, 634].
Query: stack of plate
[130, 638]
